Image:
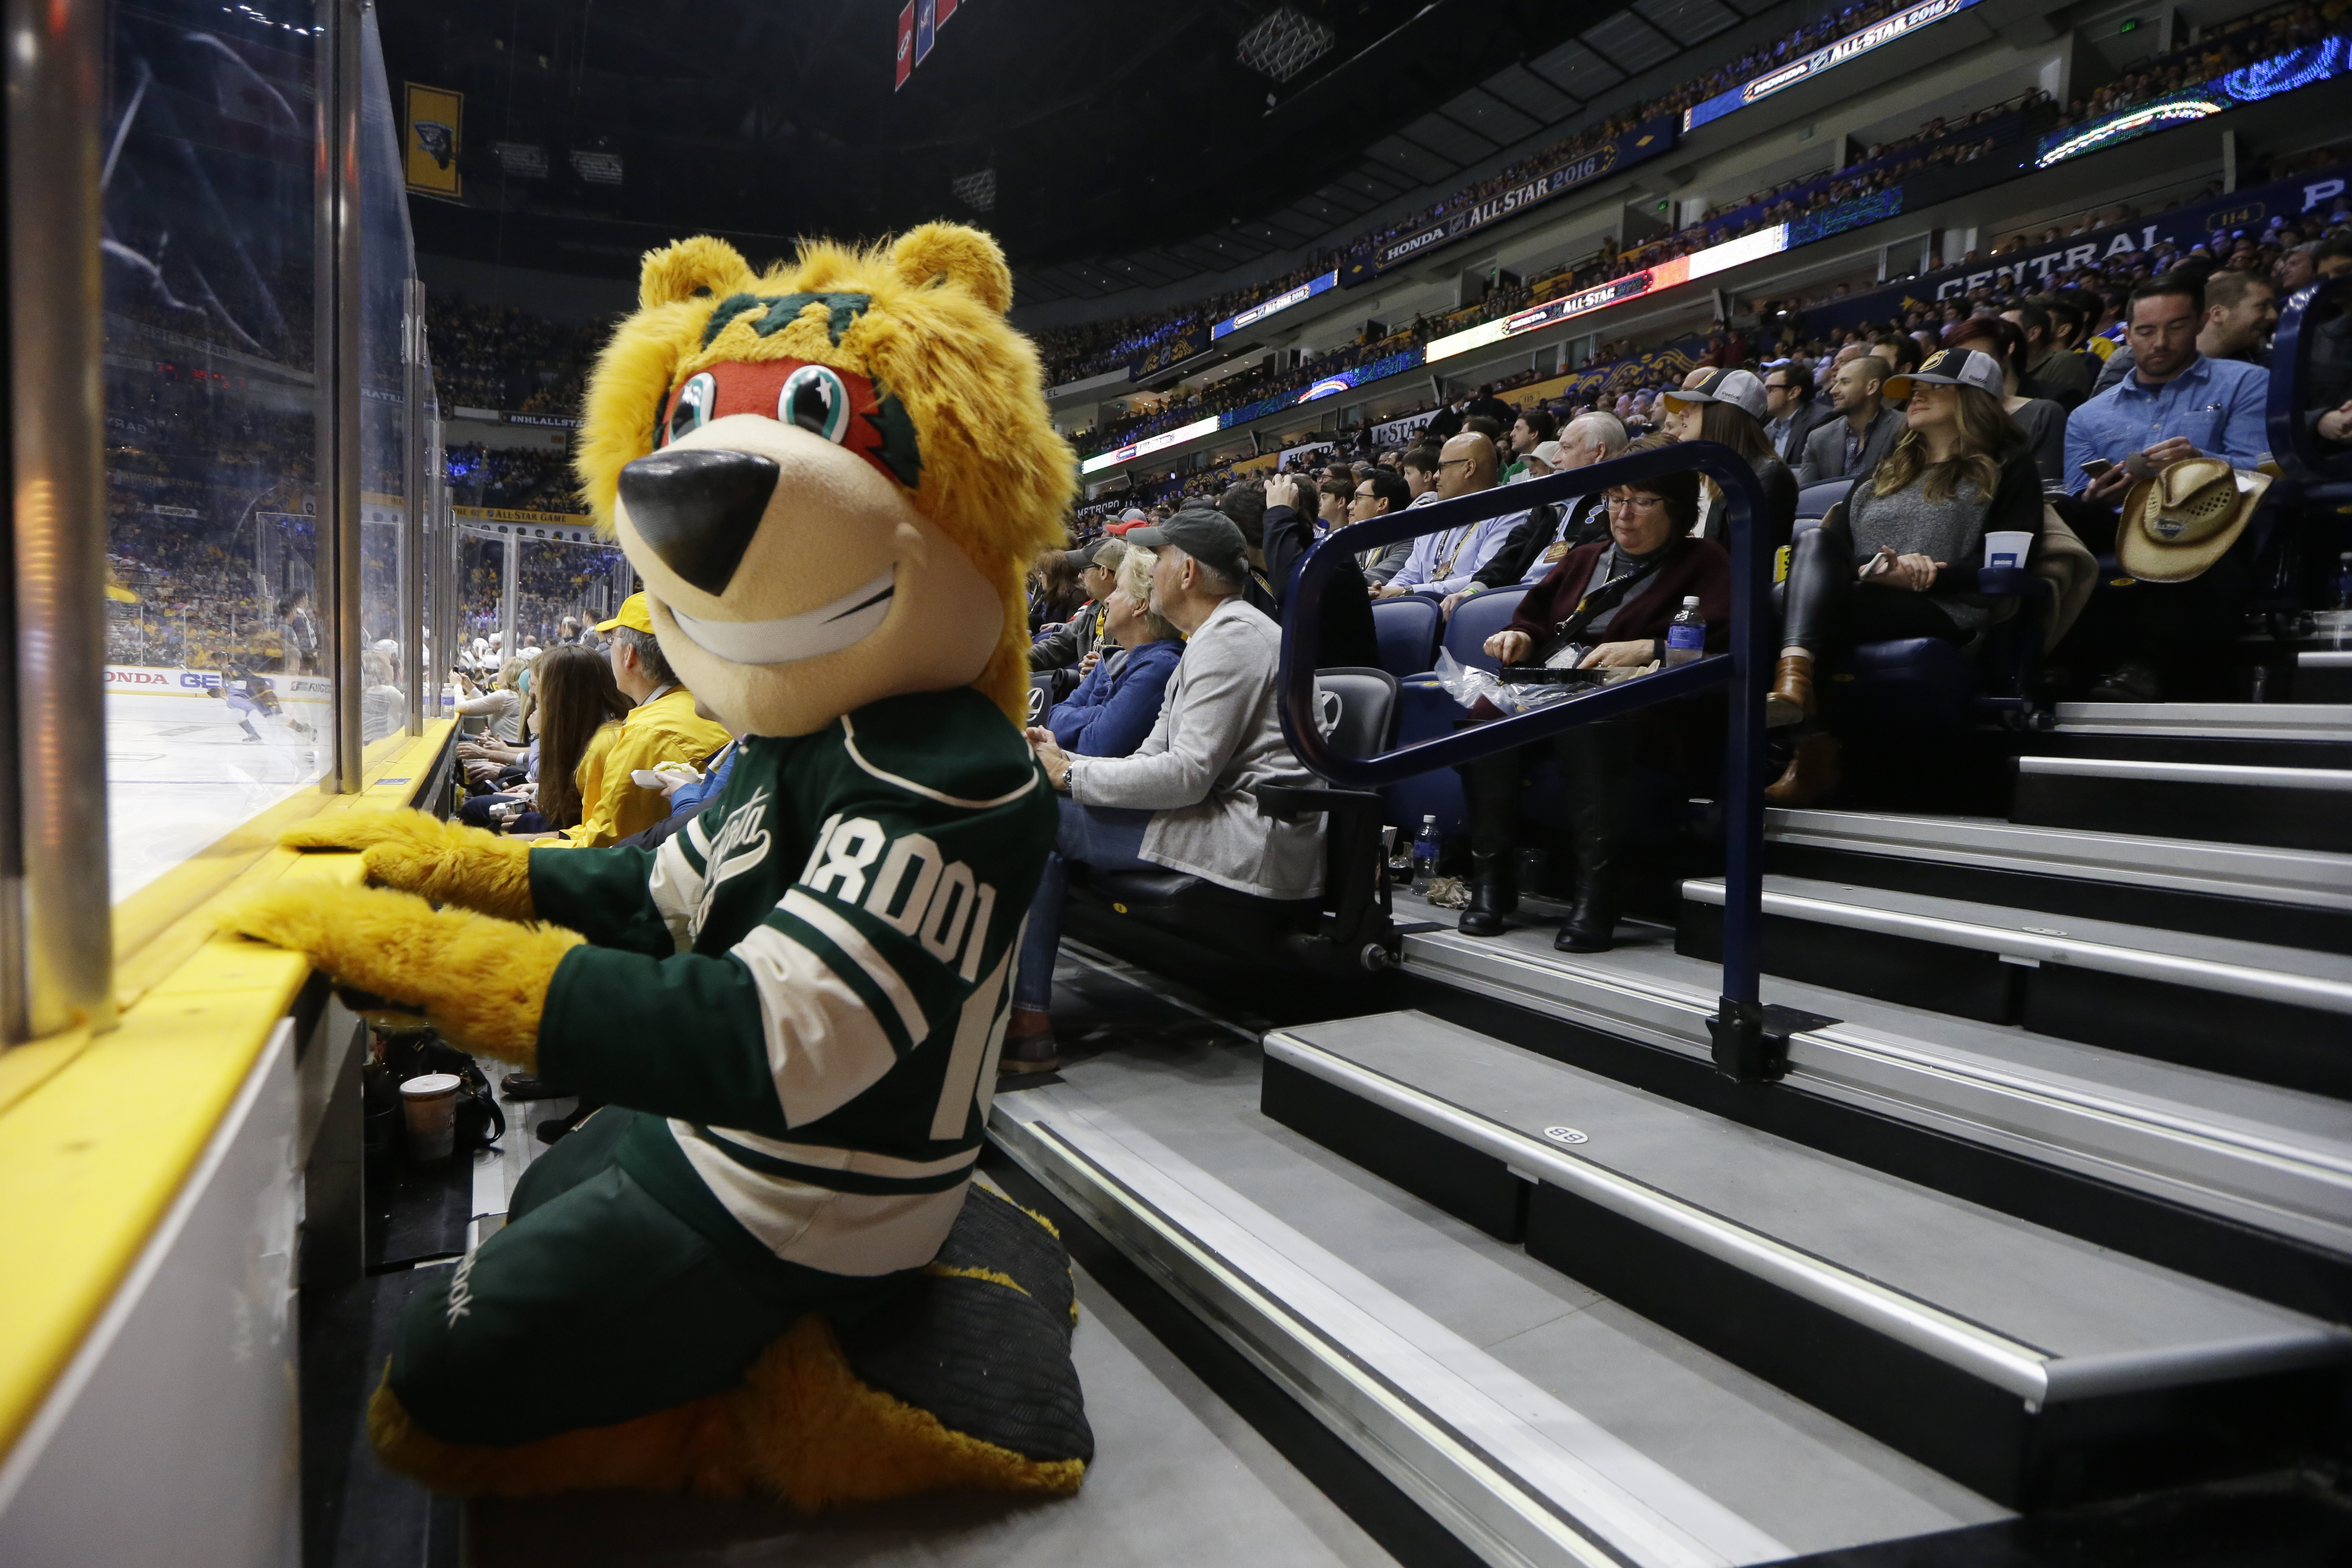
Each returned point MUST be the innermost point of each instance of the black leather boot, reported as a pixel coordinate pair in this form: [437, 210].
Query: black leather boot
[1494, 893]
[1490, 789]
[1597, 764]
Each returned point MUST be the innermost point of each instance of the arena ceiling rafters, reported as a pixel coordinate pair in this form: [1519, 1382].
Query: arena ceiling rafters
[1129, 147]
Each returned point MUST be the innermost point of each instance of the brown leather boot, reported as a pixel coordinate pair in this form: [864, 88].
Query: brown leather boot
[1812, 772]
[1789, 700]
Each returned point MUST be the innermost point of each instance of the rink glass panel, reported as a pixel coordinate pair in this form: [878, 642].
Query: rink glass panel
[558, 578]
[218, 694]
[388, 474]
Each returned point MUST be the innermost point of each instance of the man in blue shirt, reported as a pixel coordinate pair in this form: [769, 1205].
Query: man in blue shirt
[1448, 560]
[2175, 402]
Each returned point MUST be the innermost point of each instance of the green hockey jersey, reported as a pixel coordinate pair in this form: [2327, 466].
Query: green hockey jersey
[811, 981]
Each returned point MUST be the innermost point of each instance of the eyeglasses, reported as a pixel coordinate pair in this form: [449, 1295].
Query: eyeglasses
[1619, 503]
[1445, 463]
[1368, 495]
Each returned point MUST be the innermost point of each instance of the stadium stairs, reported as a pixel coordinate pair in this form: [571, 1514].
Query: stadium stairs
[2041, 1250]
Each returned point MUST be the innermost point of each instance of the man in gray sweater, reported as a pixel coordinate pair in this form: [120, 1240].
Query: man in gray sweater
[1186, 800]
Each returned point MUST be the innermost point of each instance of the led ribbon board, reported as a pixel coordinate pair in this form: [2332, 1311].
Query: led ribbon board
[1282, 301]
[1633, 286]
[2282, 72]
[1805, 67]
[1150, 445]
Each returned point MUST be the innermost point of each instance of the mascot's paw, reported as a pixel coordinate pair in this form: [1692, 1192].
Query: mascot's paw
[482, 982]
[419, 853]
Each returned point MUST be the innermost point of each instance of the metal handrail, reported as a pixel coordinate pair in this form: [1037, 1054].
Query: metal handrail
[1744, 1047]
[2320, 475]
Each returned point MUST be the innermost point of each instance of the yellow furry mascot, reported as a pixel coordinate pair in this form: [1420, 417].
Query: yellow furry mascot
[763, 1264]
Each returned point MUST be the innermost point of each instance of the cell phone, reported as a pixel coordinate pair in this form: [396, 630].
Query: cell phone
[2096, 467]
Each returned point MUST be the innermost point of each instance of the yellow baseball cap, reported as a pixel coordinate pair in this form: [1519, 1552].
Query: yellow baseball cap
[633, 614]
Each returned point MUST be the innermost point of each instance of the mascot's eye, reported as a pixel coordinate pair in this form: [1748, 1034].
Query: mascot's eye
[694, 400]
[817, 400]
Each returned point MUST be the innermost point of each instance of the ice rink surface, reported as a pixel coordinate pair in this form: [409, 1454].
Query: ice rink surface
[180, 773]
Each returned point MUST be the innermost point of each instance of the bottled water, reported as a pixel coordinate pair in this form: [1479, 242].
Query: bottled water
[1424, 850]
[1686, 633]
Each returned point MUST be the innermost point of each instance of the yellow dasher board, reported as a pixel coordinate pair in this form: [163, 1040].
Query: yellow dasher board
[437, 120]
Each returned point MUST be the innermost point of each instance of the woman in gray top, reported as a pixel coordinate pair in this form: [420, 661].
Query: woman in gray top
[1898, 557]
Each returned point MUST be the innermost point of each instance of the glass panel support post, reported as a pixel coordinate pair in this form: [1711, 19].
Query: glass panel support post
[338, 368]
[417, 501]
[509, 598]
[55, 919]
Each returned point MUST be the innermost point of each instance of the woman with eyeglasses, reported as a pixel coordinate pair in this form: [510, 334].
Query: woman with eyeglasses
[1606, 606]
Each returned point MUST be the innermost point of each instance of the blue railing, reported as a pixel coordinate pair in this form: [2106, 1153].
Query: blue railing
[2316, 473]
[1741, 1046]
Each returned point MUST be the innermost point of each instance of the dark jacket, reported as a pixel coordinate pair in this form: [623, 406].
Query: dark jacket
[1063, 645]
[1802, 424]
[1825, 448]
[1116, 706]
[1348, 640]
[1699, 566]
[1779, 488]
[1537, 532]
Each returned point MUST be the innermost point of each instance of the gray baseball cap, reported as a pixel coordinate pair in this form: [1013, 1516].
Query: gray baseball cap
[1207, 536]
[1952, 367]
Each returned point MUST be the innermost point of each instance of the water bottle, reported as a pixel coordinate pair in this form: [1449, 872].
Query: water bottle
[1686, 633]
[2343, 581]
[1424, 850]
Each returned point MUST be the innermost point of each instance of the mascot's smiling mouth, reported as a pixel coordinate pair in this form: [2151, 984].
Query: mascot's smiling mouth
[828, 629]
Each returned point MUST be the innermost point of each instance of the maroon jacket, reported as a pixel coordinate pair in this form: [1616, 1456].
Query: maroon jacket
[1697, 566]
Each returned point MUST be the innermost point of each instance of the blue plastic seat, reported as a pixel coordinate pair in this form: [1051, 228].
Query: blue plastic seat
[1476, 619]
[1914, 685]
[1407, 633]
[1814, 501]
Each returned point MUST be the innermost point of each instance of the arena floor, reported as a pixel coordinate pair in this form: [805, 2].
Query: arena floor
[180, 773]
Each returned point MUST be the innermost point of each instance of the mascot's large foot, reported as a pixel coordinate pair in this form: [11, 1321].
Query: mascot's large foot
[964, 1380]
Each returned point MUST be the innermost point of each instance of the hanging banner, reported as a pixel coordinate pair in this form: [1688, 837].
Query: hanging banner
[1282, 301]
[436, 121]
[1401, 432]
[1646, 141]
[905, 61]
[946, 8]
[925, 29]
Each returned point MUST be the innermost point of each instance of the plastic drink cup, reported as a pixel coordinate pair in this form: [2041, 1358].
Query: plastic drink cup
[2006, 549]
[429, 1104]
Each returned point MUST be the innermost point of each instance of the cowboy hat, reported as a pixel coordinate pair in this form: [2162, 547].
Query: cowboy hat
[2179, 523]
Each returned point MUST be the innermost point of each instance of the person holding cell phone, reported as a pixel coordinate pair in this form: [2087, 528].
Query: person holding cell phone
[1898, 557]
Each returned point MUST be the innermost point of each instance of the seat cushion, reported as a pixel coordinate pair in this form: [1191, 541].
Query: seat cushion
[1912, 685]
[1148, 888]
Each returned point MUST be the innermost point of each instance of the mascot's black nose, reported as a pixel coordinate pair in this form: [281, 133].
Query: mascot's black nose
[699, 509]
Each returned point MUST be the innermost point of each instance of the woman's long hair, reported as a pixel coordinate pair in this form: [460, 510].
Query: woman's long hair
[1986, 433]
[1736, 428]
[1064, 593]
[577, 697]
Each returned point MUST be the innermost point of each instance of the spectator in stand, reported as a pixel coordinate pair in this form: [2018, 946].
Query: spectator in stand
[2240, 312]
[2051, 371]
[1332, 494]
[501, 707]
[1898, 557]
[1444, 562]
[2042, 420]
[1863, 429]
[1077, 643]
[1487, 406]
[1605, 605]
[1791, 410]
[661, 725]
[1531, 429]
[1378, 494]
[1420, 467]
[580, 706]
[1728, 406]
[1060, 591]
[1346, 639]
[1550, 533]
[1114, 707]
[2175, 402]
[1187, 798]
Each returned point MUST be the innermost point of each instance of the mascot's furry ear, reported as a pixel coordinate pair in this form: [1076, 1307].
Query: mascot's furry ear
[936, 255]
[700, 266]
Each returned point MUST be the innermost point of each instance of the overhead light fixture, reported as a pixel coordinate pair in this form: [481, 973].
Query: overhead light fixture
[976, 191]
[1284, 43]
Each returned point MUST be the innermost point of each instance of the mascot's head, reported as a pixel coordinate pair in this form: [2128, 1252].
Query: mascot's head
[830, 477]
